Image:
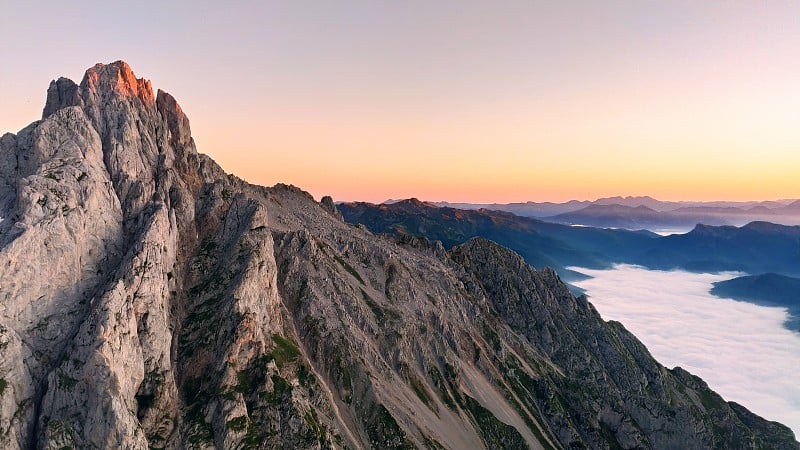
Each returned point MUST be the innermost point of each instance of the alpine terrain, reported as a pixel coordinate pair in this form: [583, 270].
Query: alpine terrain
[149, 300]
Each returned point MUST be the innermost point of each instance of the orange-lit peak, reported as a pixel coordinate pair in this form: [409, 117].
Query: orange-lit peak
[119, 78]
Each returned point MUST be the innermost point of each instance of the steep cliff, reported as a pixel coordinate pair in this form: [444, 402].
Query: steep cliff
[149, 300]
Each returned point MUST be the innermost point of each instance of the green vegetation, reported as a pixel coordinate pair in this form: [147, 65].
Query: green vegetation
[711, 400]
[285, 351]
[491, 337]
[281, 391]
[431, 443]
[237, 423]
[3, 385]
[318, 430]
[494, 433]
[66, 382]
[441, 385]
[422, 393]
[519, 382]
[385, 433]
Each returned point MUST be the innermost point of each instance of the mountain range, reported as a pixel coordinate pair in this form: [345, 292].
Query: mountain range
[150, 300]
[755, 248]
[635, 213]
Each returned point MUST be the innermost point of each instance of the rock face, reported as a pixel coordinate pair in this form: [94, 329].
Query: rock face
[149, 300]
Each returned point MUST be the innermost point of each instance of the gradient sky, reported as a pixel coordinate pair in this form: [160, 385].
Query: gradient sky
[450, 100]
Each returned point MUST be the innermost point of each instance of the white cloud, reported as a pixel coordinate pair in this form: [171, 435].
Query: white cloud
[740, 349]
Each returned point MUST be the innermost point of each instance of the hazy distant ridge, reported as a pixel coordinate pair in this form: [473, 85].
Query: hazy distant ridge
[645, 212]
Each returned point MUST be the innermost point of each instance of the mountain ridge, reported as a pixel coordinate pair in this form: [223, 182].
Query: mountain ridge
[769, 289]
[621, 212]
[157, 302]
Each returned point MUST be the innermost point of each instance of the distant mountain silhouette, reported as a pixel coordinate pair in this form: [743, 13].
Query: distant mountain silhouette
[636, 201]
[635, 217]
[769, 289]
[626, 212]
[755, 248]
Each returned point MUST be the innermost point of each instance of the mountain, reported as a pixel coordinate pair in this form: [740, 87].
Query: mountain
[637, 201]
[636, 213]
[542, 244]
[768, 289]
[635, 217]
[149, 300]
[758, 247]
[755, 248]
[526, 209]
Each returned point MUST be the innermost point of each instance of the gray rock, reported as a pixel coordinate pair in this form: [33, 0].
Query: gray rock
[328, 205]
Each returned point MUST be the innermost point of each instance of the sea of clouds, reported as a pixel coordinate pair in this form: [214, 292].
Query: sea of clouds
[740, 349]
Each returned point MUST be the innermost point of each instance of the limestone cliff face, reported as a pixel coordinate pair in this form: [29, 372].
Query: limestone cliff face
[149, 300]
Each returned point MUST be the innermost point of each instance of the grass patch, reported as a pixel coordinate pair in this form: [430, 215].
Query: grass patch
[237, 423]
[422, 393]
[431, 443]
[711, 400]
[285, 351]
[66, 382]
[319, 431]
[385, 433]
[491, 337]
[494, 432]
[3, 385]
[281, 391]
[441, 385]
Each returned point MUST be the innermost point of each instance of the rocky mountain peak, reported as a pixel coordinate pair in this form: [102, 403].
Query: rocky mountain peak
[100, 83]
[118, 78]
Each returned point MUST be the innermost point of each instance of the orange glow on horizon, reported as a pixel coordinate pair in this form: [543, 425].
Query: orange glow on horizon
[458, 101]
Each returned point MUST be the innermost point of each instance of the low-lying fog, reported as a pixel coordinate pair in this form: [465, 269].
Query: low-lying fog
[740, 349]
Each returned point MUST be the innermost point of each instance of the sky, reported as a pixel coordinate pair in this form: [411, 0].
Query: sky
[461, 101]
[740, 349]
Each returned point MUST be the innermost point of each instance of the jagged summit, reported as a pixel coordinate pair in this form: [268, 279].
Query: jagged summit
[149, 300]
[119, 78]
[98, 83]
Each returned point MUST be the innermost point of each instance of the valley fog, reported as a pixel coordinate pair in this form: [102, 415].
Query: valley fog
[740, 349]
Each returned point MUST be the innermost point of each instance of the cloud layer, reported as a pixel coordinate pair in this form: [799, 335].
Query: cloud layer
[740, 349]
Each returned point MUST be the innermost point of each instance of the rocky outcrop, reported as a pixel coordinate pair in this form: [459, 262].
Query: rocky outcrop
[149, 300]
